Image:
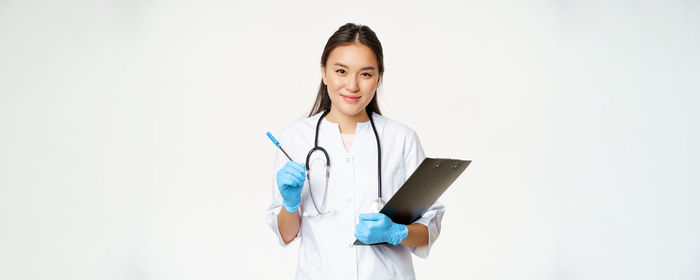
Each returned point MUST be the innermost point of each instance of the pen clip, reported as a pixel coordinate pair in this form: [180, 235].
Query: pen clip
[269, 135]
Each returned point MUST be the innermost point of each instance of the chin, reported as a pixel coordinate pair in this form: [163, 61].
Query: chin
[350, 111]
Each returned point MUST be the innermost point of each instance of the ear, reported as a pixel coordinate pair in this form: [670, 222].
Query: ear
[323, 75]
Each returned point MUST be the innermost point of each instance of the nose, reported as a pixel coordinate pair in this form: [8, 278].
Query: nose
[352, 85]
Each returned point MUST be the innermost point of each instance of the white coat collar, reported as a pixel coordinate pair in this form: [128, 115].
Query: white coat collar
[325, 122]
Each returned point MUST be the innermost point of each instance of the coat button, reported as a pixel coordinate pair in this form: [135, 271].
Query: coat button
[349, 200]
[347, 159]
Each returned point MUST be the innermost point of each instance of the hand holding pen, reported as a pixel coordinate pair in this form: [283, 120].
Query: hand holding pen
[290, 180]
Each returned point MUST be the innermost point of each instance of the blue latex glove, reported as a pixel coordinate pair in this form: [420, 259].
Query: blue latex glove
[377, 228]
[290, 181]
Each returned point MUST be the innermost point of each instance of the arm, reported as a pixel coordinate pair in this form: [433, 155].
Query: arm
[283, 214]
[290, 181]
[424, 232]
[417, 235]
[377, 228]
[289, 224]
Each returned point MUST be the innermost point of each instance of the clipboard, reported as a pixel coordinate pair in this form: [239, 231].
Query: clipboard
[422, 189]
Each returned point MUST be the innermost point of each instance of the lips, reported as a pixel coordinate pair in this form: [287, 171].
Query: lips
[350, 99]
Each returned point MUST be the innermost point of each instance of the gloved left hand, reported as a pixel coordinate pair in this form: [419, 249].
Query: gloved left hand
[377, 228]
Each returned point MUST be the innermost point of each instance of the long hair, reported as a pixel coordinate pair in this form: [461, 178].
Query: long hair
[349, 33]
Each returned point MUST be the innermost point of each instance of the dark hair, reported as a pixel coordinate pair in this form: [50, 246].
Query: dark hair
[346, 34]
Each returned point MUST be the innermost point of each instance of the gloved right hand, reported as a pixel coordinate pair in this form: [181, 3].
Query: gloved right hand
[290, 181]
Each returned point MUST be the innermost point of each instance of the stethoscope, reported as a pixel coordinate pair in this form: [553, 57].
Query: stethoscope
[377, 203]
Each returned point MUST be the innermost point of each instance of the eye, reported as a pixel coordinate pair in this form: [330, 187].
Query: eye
[366, 74]
[341, 71]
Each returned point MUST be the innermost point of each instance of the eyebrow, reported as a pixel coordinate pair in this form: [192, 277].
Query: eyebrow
[363, 68]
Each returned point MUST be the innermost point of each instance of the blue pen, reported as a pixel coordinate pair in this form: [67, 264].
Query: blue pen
[277, 144]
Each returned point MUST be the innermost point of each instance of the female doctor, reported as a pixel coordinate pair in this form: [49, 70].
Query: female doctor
[363, 159]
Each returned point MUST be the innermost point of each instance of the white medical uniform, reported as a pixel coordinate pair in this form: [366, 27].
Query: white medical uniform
[325, 251]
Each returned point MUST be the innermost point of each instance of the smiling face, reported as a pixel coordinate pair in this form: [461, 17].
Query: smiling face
[352, 77]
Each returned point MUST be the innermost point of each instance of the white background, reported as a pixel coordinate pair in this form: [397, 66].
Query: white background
[132, 133]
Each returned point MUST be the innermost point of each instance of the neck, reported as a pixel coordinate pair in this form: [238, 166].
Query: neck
[346, 123]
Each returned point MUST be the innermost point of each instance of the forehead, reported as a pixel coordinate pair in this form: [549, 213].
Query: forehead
[354, 55]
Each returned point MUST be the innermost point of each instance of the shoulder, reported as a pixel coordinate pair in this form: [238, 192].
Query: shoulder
[401, 142]
[299, 127]
[394, 127]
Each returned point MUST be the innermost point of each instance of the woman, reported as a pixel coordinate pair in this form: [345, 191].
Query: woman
[342, 205]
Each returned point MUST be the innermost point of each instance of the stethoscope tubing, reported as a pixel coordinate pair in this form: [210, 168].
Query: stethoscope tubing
[328, 162]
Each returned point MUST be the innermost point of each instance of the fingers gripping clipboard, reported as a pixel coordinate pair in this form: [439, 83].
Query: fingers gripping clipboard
[422, 189]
